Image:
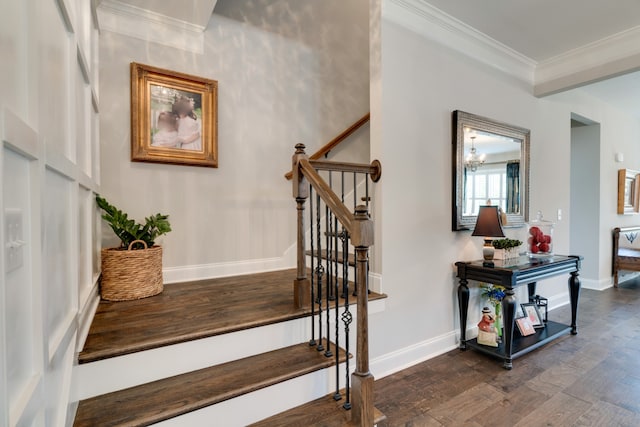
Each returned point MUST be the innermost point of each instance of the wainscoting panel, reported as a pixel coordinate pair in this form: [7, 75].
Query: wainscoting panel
[49, 237]
[23, 338]
[59, 258]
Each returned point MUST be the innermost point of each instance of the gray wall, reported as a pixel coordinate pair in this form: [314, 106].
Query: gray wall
[288, 72]
[585, 198]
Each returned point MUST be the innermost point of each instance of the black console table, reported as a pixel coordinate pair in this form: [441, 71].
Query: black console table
[511, 274]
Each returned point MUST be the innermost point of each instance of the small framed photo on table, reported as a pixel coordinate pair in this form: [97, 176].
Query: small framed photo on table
[524, 326]
[531, 312]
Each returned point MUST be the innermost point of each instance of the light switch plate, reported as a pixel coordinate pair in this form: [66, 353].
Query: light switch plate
[13, 239]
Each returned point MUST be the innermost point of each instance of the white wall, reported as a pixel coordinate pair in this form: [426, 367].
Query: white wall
[287, 73]
[585, 200]
[618, 133]
[49, 168]
[421, 83]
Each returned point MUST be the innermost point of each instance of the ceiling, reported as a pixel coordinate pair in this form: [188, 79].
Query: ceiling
[622, 92]
[542, 29]
[196, 12]
[538, 29]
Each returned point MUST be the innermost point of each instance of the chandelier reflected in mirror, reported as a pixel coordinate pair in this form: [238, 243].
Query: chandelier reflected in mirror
[474, 160]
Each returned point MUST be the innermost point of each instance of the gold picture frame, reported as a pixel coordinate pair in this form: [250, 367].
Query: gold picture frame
[628, 192]
[174, 117]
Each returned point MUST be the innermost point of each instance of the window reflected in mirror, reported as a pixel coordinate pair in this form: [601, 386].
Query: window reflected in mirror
[492, 171]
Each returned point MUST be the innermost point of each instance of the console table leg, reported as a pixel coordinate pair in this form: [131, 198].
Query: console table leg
[463, 305]
[574, 294]
[509, 314]
[532, 290]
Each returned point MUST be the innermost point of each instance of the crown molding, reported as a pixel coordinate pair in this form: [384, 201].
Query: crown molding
[608, 57]
[434, 24]
[122, 18]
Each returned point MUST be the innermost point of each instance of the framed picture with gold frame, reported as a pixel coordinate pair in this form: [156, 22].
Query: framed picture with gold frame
[628, 192]
[174, 117]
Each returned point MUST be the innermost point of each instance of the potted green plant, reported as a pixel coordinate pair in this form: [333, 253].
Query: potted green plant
[506, 248]
[134, 269]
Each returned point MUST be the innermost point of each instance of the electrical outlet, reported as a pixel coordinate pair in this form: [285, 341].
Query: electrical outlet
[13, 240]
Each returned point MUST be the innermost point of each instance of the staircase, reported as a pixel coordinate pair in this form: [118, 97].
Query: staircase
[203, 351]
[271, 348]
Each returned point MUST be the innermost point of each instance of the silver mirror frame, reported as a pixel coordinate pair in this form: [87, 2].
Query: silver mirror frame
[459, 122]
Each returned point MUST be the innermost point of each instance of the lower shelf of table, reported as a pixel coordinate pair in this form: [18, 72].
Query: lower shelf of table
[523, 345]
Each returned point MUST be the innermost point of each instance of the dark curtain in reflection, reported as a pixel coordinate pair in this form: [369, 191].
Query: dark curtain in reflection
[464, 193]
[513, 187]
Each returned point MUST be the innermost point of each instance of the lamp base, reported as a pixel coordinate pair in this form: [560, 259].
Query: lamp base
[488, 250]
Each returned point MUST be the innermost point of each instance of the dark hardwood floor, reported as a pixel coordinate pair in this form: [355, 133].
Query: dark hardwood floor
[592, 379]
[193, 310]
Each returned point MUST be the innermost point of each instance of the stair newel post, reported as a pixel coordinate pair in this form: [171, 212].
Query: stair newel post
[301, 286]
[362, 379]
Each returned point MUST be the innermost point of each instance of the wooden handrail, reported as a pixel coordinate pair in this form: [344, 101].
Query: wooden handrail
[374, 169]
[361, 231]
[325, 149]
[326, 194]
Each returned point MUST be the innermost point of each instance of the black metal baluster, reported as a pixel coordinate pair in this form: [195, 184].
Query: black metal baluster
[347, 318]
[345, 254]
[319, 272]
[355, 204]
[334, 251]
[366, 190]
[355, 192]
[312, 341]
[336, 396]
[328, 223]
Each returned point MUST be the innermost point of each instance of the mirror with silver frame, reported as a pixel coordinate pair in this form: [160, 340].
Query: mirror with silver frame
[490, 166]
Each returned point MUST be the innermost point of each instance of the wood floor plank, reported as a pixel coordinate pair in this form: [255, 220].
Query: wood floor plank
[466, 405]
[160, 400]
[323, 412]
[586, 380]
[194, 310]
[606, 414]
[562, 410]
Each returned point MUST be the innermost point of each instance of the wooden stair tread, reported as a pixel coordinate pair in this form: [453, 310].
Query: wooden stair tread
[193, 310]
[323, 254]
[170, 397]
[323, 412]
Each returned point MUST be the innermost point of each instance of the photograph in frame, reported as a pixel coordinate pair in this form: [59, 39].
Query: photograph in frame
[524, 326]
[173, 117]
[628, 191]
[531, 311]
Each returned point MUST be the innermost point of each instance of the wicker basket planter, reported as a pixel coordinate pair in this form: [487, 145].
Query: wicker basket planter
[131, 274]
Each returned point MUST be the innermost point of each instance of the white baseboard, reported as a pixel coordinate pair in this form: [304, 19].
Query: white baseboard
[85, 317]
[598, 285]
[375, 282]
[189, 273]
[404, 358]
[192, 273]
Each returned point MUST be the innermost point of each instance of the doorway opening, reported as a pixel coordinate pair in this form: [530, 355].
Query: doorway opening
[585, 198]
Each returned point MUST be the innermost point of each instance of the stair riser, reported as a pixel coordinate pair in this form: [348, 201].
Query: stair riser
[261, 404]
[117, 373]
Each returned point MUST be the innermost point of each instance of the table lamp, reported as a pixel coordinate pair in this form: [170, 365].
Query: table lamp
[488, 226]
